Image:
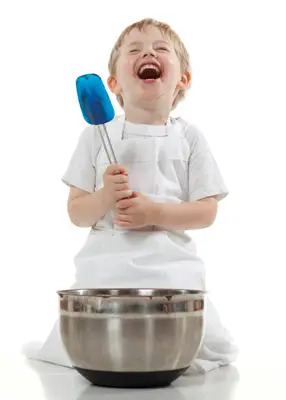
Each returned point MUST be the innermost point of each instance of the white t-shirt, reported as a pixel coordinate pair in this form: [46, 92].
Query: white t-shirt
[195, 157]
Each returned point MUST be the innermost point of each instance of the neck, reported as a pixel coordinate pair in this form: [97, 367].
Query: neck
[148, 116]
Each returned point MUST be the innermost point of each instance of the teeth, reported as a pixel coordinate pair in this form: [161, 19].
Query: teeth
[148, 66]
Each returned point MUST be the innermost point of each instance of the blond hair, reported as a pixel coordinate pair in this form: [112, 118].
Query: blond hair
[165, 29]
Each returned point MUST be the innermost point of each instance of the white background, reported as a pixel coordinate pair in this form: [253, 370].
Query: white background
[237, 98]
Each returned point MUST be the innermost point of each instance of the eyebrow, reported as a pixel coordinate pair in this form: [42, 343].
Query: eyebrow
[156, 42]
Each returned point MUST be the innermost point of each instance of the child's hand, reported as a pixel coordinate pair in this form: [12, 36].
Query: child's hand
[135, 212]
[115, 184]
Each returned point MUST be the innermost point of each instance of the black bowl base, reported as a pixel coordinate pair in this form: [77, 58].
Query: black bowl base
[131, 379]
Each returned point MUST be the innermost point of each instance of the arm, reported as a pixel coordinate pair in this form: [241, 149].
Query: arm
[190, 215]
[86, 209]
[141, 211]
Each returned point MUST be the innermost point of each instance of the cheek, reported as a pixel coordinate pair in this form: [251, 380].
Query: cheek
[125, 69]
[172, 69]
[171, 66]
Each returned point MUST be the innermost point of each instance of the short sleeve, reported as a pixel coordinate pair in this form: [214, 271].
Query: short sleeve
[81, 170]
[205, 178]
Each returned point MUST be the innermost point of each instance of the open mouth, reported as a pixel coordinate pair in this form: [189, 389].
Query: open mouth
[149, 71]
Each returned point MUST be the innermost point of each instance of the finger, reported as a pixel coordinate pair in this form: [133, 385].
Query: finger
[121, 170]
[125, 211]
[125, 203]
[123, 224]
[115, 169]
[119, 178]
[123, 218]
[122, 194]
[121, 186]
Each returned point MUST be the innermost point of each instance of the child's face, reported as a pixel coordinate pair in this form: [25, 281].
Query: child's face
[138, 84]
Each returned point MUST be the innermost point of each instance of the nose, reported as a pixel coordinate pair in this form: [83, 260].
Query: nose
[150, 52]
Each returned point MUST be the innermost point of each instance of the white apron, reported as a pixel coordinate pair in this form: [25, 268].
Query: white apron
[114, 257]
[157, 164]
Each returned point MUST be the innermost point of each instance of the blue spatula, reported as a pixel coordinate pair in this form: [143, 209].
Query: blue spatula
[96, 107]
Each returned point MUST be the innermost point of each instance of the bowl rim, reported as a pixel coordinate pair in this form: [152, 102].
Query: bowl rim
[129, 292]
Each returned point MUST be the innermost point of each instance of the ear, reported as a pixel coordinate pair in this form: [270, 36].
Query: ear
[185, 81]
[113, 85]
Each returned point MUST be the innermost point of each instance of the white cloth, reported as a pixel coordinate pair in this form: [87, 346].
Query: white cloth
[169, 163]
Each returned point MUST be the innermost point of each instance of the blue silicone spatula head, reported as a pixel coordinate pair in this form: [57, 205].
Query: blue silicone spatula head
[94, 101]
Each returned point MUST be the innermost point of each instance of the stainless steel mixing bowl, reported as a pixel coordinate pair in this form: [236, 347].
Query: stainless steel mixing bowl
[131, 337]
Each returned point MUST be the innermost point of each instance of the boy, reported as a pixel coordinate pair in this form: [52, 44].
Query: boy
[142, 240]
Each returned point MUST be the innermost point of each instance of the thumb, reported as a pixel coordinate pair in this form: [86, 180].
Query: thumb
[135, 194]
